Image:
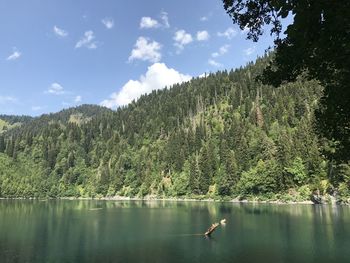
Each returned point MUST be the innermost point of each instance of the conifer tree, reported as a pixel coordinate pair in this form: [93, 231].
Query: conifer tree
[205, 170]
[2, 144]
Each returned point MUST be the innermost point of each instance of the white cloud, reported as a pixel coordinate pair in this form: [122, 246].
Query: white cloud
[108, 22]
[249, 51]
[146, 50]
[181, 39]
[55, 89]
[203, 18]
[214, 63]
[15, 55]
[157, 77]
[222, 50]
[87, 41]
[165, 19]
[60, 32]
[228, 33]
[202, 35]
[148, 22]
[77, 99]
[7, 99]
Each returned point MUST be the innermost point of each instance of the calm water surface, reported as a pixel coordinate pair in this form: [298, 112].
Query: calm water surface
[164, 231]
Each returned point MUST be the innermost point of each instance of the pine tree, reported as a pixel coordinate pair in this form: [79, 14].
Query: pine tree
[2, 144]
[15, 150]
[223, 182]
[10, 147]
[194, 175]
[205, 170]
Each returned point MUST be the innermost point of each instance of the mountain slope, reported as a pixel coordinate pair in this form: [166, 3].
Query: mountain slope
[8, 122]
[221, 135]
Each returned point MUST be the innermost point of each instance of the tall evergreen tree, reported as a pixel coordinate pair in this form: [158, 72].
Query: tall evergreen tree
[2, 144]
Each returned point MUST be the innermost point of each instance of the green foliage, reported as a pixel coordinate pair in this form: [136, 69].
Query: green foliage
[304, 192]
[205, 170]
[224, 183]
[181, 184]
[194, 174]
[260, 179]
[297, 171]
[344, 192]
[2, 144]
[3, 125]
[221, 135]
[344, 172]
[311, 46]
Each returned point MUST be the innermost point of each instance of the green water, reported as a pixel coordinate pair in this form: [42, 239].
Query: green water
[135, 231]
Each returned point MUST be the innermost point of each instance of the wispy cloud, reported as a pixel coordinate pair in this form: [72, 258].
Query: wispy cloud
[87, 41]
[146, 50]
[148, 22]
[60, 32]
[55, 89]
[214, 63]
[77, 99]
[165, 19]
[158, 76]
[206, 17]
[108, 22]
[228, 33]
[15, 55]
[222, 50]
[182, 39]
[203, 35]
[249, 51]
[7, 99]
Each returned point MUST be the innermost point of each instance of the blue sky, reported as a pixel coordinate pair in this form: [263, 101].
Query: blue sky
[56, 54]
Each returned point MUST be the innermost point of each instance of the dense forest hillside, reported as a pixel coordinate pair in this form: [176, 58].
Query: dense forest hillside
[220, 135]
[8, 122]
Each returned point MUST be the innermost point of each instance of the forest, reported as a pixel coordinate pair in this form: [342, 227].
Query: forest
[225, 135]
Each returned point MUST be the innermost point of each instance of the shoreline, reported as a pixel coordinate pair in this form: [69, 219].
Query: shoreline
[123, 198]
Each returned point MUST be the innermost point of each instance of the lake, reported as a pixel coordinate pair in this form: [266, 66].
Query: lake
[167, 231]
